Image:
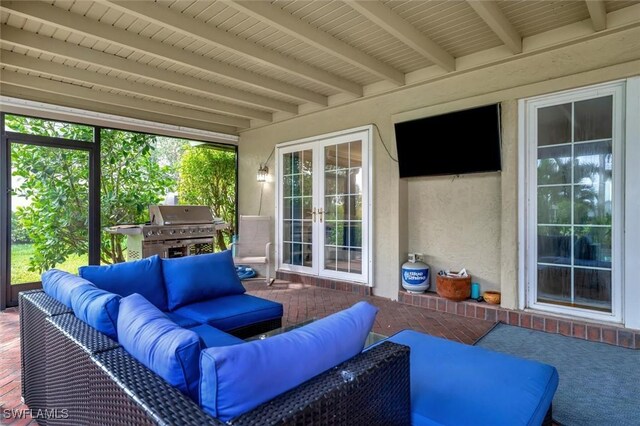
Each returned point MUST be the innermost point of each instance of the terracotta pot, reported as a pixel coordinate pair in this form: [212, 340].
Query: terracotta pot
[453, 288]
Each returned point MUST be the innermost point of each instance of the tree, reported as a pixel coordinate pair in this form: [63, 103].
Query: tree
[131, 180]
[55, 181]
[208, 177]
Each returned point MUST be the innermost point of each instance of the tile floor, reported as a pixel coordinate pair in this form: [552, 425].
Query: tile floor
[300, 302]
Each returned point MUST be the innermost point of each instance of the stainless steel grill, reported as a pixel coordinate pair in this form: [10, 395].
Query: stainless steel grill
[172, 231]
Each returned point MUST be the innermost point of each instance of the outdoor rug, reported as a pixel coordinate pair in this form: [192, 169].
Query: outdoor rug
[599, 383]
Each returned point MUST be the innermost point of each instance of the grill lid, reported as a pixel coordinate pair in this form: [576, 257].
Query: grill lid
[180, 215]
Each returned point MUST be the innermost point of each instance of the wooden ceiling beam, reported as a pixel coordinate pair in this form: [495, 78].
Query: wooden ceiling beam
[319, 39]
[67, 89]
[20, 92]
[28, 40]
[167, 18]
[395, 25]
[491, 14]
[63, 71]
[78, 24]
[598, 13]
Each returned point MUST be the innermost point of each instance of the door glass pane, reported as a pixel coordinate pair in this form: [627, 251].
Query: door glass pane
[554, 244]
[49, 211]
[575, 204]
[554, 165]
[593, 119]
[593, 288]
[343, 207]
[593, 176]
[554, 204]
[554, 284]
[297, 211]
[554, 125]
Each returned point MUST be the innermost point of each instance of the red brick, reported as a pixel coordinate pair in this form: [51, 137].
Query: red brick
[525, 320]
[594, 333]
[480, 312]
[550, 325]
[538, 323]
[502, 316]
[470, 311]
[491, 315]
[424, 302]
[460, 309]
[442, 305]
[609, 336]
[514, 318]
[564, 328]
[451, 307]
[433, 303]
[579, 331]
[626, 339]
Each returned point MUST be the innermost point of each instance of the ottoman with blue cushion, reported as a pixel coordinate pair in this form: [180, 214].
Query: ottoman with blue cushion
[457, 384]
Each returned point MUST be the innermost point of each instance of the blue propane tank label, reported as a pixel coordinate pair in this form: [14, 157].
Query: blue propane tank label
[415, 276]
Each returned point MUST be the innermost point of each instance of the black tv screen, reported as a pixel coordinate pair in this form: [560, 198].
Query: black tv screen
[460, 142]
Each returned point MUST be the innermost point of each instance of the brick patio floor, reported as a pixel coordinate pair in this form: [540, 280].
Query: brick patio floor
[301, 302]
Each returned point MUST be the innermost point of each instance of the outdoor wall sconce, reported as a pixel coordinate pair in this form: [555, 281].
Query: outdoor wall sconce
[263, 171]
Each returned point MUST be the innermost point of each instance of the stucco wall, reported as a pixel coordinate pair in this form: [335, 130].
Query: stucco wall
[470, 221]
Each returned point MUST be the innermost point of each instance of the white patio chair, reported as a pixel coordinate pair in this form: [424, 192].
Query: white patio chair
[253, 245]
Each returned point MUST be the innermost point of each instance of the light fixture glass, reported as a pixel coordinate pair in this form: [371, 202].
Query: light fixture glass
[263, 171]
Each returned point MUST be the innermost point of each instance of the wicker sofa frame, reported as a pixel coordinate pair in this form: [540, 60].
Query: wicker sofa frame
[77, 375]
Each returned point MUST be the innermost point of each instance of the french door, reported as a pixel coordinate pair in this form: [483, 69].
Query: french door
[323, 206]
[574, 175]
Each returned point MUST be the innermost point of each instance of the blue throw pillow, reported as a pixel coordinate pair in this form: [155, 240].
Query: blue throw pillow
[142, 276]
[196, 278]
[59, 284]
[152, 338]
[236, 379]
[96, 307]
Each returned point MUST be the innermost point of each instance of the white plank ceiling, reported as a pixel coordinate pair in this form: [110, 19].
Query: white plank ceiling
[227, 66]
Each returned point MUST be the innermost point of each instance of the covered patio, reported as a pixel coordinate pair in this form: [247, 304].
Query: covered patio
[388, 146]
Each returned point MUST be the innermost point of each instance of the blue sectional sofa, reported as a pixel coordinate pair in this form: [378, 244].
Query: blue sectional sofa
[154, 357]
[317, 374]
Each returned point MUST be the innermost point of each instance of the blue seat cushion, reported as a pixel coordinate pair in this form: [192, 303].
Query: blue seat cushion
[192, 279]
[235, 379]
[231, 312]
[142, 276]
[152, 338]
[182, 321]
[211, 337]
[59, 284]
[457, 384]
[96, 307]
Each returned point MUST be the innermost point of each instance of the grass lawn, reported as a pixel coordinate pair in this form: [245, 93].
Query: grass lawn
[20, 254]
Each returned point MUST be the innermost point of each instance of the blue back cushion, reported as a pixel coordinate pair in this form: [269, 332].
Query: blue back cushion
[59, 284]
[236, 379]
[96, 307]
[142, 276]
[196, 278]
[152, 338]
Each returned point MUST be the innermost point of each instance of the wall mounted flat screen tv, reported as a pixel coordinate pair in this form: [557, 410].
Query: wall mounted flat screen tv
[459, 142]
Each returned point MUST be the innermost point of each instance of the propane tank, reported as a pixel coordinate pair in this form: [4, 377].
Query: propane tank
[415, 274]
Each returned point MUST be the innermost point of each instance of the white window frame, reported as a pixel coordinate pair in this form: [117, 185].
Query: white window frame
[528, 201]
[317, 144]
